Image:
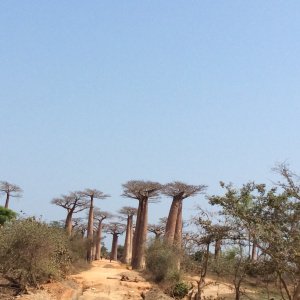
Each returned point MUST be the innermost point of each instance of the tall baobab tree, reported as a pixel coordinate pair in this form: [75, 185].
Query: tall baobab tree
[141, 191]
[99, 216]
[90, 195]
[129, 212]
[178, 191]
[11, 190]
[73, 203]
[115, 229]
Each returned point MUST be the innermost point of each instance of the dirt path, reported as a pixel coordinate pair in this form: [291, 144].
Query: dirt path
[102, 282]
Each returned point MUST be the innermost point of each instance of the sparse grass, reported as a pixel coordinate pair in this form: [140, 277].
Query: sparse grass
[41, 295]
[223, 287]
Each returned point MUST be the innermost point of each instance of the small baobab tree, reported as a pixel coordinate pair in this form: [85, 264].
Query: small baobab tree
[219, 231]
[99, 216]
[128, 212]
[73, 203]
[115, 229]
[141, 191]
[158, 229]
[178, 191]
[79, 226]
[90, 195]
[10, 190]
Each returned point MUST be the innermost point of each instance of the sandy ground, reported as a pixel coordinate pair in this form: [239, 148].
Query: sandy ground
[102, 282]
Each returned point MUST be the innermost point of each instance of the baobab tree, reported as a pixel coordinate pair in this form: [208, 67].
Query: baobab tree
[221, 232]
[90, 195]
[178, 191]
[73, 203]
[80, 225]
[216, 232]
[11, 190]
[99, 216]
[129, 212]
[115, 229]
[141, 191]
[158, 229]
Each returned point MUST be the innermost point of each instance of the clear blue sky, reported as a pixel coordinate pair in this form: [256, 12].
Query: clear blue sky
[95, 93]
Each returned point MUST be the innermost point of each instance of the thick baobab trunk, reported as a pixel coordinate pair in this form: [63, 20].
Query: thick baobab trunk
[114, 248]
[68, 223]
[128, 241]
[178, 228]
[254, 251]
[7, 200]
[98, 241]
[172, 220]
[140, 236]
[218, 244]
[134, 241]
[178, 234]
[90, 231]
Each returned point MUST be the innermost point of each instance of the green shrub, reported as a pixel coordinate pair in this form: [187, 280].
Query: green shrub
[31, 252]
[180, 290]
[162, 262]
[199, 256]
[6, 214]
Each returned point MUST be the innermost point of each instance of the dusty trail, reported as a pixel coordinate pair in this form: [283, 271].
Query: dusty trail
[102, 282]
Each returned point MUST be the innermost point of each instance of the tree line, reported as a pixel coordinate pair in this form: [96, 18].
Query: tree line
[257, 228]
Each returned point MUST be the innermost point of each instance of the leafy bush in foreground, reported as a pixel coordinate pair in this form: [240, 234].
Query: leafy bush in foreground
[6, 214]
[180, 290]
[31, 252]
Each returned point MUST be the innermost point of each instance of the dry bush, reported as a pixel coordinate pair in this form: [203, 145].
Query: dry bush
[31, 252]
[162, 262]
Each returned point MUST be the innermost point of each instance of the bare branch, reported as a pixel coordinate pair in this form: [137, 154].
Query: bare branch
[73, 202]
[10, 189]
[87, 193]
[157, 229]
[100, 215]
[138, 189]
[292, 180]
[115, 228]
[182, 190]
[128, 211]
